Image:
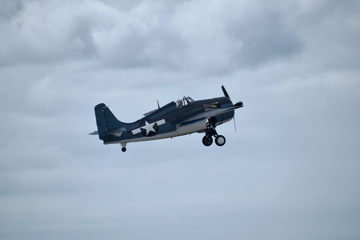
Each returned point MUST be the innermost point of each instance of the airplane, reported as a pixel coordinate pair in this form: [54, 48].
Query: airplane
[185, 116]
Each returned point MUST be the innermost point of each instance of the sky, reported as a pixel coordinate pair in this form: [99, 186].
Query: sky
[289, 172]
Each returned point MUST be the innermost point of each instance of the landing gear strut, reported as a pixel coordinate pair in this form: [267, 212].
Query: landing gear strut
[207, 140]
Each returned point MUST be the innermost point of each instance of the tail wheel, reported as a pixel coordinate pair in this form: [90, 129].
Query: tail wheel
[220, 140]
[207, 140]
[123, 145]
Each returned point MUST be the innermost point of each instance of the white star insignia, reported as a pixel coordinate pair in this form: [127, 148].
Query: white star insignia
[149, 127]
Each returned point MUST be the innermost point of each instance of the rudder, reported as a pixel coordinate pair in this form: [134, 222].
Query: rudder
[100, 119]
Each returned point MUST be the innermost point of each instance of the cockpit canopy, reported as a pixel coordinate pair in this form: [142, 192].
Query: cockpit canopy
[183, 102]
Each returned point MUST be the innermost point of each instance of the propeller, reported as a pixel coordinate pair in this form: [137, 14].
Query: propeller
[234, 122]
[227, 95]
[225, 92]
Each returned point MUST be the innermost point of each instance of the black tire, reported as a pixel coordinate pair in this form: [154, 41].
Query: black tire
[220, 140]
[123, 149]
[207, 140]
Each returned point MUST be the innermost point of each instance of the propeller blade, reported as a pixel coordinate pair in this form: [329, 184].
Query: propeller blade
[238, 104]
[235, 124]
[225, 92]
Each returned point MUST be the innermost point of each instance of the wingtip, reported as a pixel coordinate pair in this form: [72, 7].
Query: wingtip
[239, 104]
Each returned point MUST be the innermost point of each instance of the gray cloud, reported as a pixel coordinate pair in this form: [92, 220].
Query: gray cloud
[9, 9]
[290, 171]
[270, 36]
[155, 34]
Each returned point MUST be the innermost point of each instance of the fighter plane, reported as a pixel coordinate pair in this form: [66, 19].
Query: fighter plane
[177, 118]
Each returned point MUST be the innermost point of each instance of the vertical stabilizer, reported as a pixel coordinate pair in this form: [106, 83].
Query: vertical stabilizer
[111, 121]
[108, 125]
[100, 119]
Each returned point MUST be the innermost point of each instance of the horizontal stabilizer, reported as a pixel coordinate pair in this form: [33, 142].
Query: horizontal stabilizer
[116, 132]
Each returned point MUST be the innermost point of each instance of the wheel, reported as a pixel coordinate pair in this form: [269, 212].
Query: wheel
[220, 140]
[123, 149]
[207, 140]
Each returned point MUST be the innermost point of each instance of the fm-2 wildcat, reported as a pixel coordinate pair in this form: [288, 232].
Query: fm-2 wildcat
[185, 116]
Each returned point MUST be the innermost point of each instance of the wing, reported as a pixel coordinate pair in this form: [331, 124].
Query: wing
[211, 113]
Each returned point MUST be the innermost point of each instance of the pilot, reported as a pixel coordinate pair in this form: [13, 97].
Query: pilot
[180, 103]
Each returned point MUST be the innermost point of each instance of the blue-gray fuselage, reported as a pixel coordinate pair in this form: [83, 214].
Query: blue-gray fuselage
[169, 121]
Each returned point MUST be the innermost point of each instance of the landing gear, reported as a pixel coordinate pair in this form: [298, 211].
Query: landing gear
[123, 147]
[220, 140]
[207, 140]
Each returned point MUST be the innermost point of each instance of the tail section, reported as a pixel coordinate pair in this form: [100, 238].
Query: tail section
[100, 119]
[107, 123]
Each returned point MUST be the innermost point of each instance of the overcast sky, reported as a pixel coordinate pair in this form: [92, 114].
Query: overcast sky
[291, 171]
